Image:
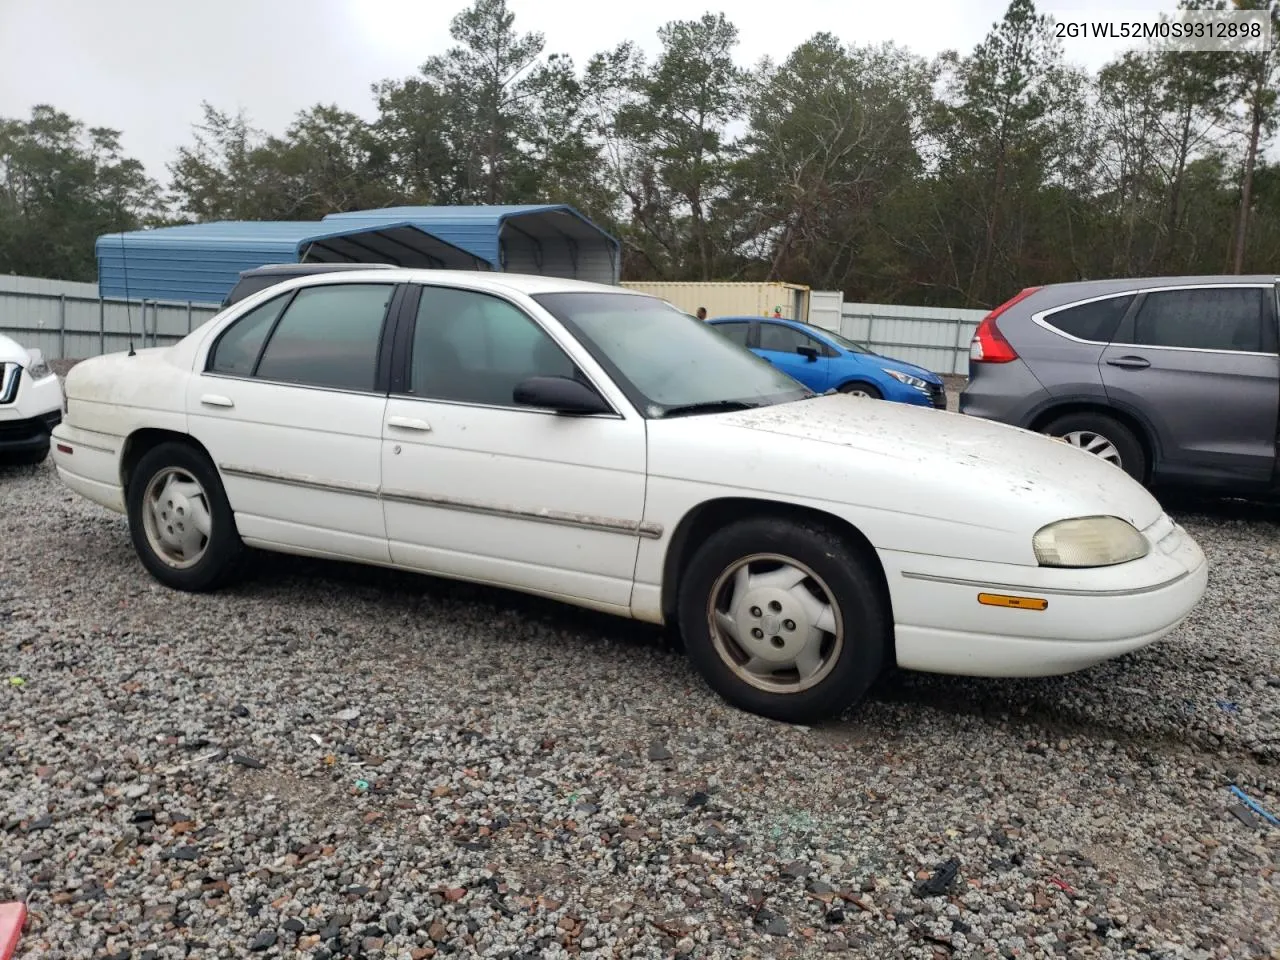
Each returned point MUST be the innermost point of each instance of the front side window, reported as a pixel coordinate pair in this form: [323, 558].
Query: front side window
[237, 349]
[328, 337]
[783, 339]
[1211, 318]
[663, 359]
[1096, 321]
[471, 347]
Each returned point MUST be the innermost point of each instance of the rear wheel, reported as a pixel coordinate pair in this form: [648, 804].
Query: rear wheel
[783, 619]
[181, 523]
[1104, 437]
[862, 390]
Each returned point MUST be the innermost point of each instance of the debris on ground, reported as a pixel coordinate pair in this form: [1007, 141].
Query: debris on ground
[941, 880]
[1255, 806]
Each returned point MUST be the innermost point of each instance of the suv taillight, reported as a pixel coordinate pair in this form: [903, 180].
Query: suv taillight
[988, 344]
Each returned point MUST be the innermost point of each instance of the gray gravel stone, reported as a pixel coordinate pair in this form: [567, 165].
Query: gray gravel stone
[507, 808]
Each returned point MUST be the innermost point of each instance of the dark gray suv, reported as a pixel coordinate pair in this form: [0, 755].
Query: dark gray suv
[1174, 379]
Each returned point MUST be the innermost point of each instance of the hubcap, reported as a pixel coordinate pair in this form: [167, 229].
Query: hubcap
[775, 623]
[1094, 443]
[176, 517]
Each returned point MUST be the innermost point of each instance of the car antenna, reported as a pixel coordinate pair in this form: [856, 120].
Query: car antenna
[128, 305]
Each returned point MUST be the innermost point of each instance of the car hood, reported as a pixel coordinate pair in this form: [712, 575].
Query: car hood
[12, 352]
[901, 473]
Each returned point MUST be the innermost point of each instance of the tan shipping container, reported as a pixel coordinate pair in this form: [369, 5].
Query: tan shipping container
[728, 299]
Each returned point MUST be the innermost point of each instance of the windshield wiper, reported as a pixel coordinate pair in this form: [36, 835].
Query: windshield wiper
[709, 406]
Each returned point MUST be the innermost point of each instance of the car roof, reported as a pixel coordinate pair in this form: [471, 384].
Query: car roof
[525, 283]
[749, 318]
[1090, 288]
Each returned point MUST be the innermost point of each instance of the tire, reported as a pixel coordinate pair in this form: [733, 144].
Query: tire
[858, 388]
[1105, 436]
[850, 660]
[27, 458]
[221, 552]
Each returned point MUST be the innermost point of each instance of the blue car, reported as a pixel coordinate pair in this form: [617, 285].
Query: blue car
[823, 360]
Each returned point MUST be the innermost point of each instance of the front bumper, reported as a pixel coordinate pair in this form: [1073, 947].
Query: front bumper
[1091, 615]
[28, 434]
[935, 396]
[29, 411]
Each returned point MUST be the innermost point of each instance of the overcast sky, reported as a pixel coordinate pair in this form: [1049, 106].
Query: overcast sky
[143, 66]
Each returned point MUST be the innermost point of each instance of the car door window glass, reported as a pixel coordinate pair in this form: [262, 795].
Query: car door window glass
[328, 337]
[775, 336]
[1096, 321]
[737, 332]
[475, 348]
[237, 349]
[1213, 318]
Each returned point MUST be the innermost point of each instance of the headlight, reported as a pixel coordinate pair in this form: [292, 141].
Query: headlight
[1088, 542]
[37, 369]
[909, 380]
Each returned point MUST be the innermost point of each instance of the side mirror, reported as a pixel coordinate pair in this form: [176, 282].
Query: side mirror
[561, 394]
[809, 353]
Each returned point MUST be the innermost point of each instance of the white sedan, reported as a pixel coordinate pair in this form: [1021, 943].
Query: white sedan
[599, 446]
[30, 404]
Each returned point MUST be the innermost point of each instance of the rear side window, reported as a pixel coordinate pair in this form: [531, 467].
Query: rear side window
[737, 332]
[1096, 321]
[1212, 318]
[237, 349]
[328, 337]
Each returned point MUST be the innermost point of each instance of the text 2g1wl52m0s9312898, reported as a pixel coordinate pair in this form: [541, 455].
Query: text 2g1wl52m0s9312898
[1205, 31]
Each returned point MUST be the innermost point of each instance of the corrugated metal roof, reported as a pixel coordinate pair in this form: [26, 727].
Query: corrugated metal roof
[400, 243]
[480, 229]
[201, 262]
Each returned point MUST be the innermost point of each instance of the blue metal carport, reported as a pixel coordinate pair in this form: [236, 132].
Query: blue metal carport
[201, 262]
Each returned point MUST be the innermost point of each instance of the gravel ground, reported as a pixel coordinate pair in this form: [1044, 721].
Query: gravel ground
[348, 762]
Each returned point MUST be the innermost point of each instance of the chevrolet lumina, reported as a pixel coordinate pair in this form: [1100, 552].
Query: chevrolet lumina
[596, 445]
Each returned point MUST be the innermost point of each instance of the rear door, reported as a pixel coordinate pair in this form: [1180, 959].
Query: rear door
[1200, 361]
[289, 403]
[780, 343]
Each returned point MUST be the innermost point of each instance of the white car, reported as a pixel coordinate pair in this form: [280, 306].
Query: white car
[30, 404]
[596, 445]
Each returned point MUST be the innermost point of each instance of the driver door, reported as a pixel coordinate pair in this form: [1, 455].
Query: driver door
[780, 344]
[478, 487]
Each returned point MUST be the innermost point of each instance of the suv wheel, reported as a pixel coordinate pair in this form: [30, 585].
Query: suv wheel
[1104, 437]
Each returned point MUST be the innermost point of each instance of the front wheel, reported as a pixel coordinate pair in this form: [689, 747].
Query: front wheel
[181, 523]
[1104, 437]
[783, 619]
[862, 390]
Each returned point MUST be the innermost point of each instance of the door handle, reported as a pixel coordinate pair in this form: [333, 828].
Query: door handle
[216, 400]
[408, 423]
[1130, 363]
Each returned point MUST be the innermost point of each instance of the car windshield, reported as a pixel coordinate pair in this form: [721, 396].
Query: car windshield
[667, 362]
[845, 342]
